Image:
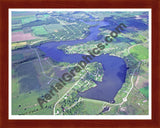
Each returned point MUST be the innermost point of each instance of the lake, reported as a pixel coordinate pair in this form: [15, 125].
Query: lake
[114, 67]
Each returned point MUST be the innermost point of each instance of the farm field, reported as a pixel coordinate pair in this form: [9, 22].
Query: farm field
[51, 28]
[144, 91]
[20, 36]
[140, 52]
[28, 19]
[19, 45]
[39, 30]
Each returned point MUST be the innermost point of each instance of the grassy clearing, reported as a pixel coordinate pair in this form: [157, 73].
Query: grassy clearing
[25, 102]
[39, 30]
[140, 52]
[92, 107]
[144, 91]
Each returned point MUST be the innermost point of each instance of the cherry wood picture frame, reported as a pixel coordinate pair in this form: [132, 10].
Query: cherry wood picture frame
[106, 4]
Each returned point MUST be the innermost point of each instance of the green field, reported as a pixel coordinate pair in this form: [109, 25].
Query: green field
[51, 28]
[92, 107]
[144, 91]
[140, 52]
[39, 30]
[29, 19]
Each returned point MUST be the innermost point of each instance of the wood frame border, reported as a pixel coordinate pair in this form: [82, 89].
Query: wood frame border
[4, 33]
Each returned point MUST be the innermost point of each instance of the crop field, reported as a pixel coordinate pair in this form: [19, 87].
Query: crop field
[16, 27]
[19, 20]
[140, 52]
[28, 19]
[39, 30]
[19, 45]
[21, 36]
[51, 28]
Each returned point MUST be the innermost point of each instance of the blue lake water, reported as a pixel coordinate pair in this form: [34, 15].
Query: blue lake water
[114, 67]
